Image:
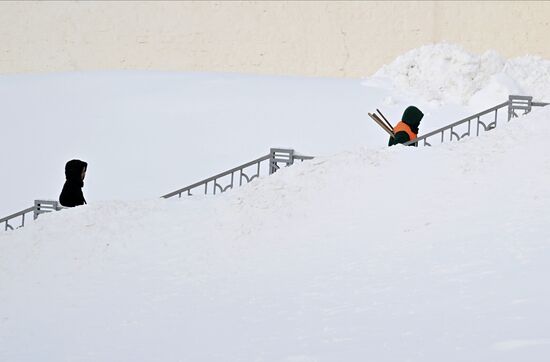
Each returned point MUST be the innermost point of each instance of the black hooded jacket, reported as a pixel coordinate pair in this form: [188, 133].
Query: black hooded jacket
[71, 195]
[412, 117]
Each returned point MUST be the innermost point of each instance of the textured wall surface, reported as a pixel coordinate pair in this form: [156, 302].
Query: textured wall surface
[344, 39]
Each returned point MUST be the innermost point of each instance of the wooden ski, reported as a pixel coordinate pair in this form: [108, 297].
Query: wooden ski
[387, 122]
[381, 123]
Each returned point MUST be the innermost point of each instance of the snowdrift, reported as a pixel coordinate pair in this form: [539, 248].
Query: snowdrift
[443, 74]
[145, 134]
[425, 254]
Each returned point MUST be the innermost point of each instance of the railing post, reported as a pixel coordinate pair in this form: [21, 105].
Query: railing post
[272, 164]
[45, 206]
[519, 103]
[277, 155]
[36, 211]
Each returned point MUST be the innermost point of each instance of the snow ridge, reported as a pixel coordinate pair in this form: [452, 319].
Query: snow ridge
[446, 73]
[393, 254]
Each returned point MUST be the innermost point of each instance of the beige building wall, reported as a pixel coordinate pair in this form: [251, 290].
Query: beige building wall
[314, 38]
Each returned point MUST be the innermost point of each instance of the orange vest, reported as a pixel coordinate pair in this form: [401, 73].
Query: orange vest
[402, 126]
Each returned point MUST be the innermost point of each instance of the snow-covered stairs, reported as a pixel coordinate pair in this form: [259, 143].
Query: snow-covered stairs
[515, 106]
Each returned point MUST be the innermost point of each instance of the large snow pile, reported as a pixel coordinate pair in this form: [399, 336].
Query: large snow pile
[446, 73]
[428, 254]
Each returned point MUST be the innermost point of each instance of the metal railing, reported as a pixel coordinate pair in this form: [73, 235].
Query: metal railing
[245, 173]
[46, 206]
[271, 162]
[222, 182]
[472, 125]
[40, 207]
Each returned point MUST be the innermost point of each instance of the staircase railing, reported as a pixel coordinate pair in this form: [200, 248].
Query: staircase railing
[472, 125]
[245, 173]
[276, 157]
[40, 207]
[222, 182]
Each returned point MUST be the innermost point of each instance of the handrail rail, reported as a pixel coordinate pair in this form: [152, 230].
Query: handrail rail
[213, 178]
[464, 120]
[17, 214]
[40, 207]
[275, 156]
[303, 158]
[514, 102]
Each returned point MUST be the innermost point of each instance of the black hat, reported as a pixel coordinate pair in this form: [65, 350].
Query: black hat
[412, 116]
[73, 170]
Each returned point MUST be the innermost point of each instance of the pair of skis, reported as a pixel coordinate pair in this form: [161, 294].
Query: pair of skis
[382, 122]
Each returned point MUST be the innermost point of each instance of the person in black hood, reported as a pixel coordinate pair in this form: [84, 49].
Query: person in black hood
[407, 129]
[71, 195]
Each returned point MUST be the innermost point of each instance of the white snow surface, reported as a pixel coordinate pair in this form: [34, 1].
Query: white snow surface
[145, 134]
[399, 254]
[446, 73]
[364, 253]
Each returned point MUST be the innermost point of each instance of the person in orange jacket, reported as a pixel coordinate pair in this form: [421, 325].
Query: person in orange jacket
[407, 129]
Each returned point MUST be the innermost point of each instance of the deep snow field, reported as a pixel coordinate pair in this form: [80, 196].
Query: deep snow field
[145, 134]
[363, 254]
